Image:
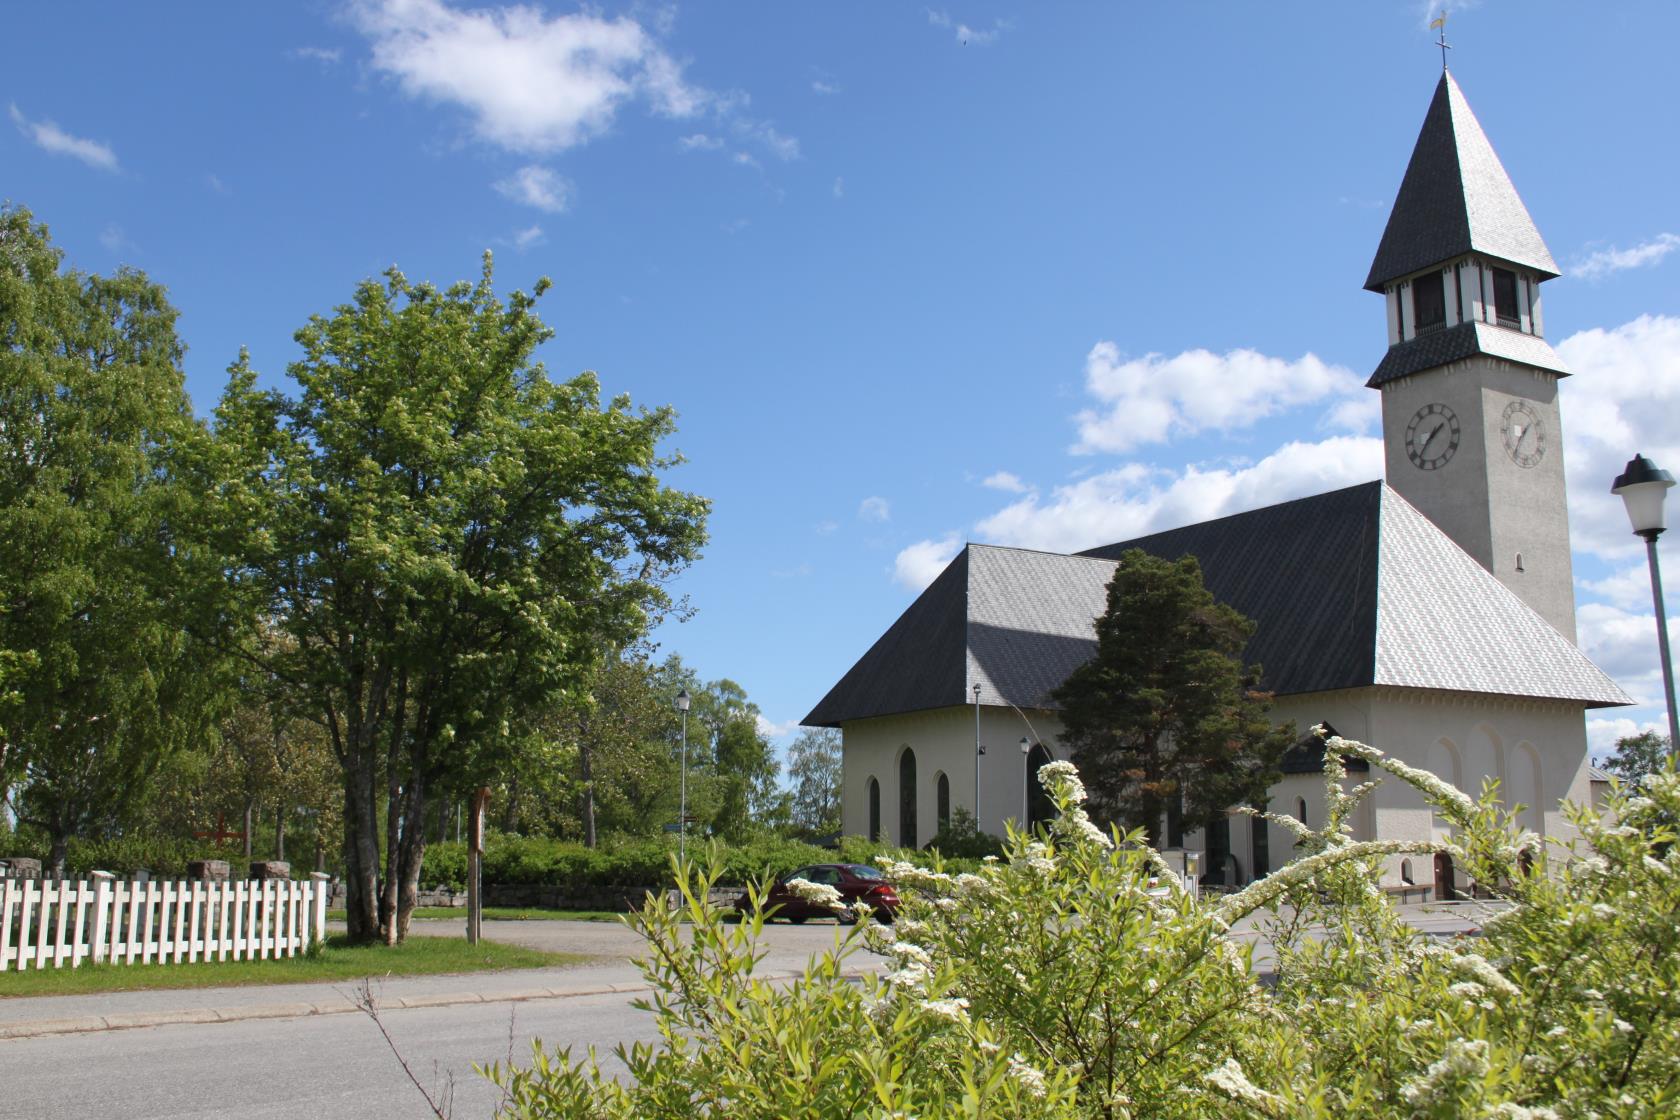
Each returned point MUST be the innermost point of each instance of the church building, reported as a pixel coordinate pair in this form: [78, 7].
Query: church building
[1430, 614]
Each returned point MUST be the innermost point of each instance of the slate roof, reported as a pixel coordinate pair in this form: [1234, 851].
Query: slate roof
[1347, 589]
[1014, 621]
[1427, 351]
[1454, 199]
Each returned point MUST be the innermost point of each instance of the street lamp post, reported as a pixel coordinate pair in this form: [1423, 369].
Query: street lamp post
[1026, 782]
[683, 701]
[978, 751]
[1642, 487]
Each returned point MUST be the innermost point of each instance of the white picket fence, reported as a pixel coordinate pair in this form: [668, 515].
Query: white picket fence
[46, 924]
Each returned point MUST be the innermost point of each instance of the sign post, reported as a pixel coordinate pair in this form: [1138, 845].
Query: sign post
[475, 862]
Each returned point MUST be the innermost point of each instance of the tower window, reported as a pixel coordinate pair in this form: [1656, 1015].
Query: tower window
[1429, 303]
[1505, 298]
[1519, 562]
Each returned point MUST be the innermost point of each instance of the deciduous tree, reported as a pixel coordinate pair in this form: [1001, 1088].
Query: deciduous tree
[96, 572]
[448, 536]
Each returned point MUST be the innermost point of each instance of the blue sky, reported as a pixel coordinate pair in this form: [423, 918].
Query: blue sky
[1050, 275]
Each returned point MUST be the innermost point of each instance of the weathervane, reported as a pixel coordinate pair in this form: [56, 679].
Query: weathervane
[1441, 22]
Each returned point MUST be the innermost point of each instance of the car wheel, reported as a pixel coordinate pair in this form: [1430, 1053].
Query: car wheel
[798, 920]
[884, 916]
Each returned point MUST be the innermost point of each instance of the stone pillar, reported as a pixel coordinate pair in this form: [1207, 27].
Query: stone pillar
[20, 867]
[264, 870]
[209, 871]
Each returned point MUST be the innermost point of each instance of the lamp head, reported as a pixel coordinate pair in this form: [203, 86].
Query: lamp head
[1026, 745]
[1642, 488]
[683, 700]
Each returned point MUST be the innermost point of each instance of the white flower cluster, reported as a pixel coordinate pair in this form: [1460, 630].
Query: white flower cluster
[1480, 970]
[954, 1009]
[1062, 778]
[1465, 1060]
[1234, 1083]
[1443, 793]
[1030, 1077]
[821, 894]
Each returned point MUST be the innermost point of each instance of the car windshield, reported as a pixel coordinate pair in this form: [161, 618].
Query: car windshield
[862, 871]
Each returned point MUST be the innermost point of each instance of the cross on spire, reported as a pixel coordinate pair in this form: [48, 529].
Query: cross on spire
[1440, 21]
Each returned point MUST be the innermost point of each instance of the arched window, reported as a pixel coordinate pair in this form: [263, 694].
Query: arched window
[874, 810]
[1406, 871]
[1301, 809]
[1260, 845]
[907, 798]
[942, 800]
[1040, 809]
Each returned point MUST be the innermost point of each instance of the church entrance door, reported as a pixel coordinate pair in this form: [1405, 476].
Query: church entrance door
[1444, 890]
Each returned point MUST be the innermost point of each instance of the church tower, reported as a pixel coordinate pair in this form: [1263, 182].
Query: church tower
[1469, 385]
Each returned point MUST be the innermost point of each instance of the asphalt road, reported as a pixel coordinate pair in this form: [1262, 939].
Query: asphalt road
[326, 1067]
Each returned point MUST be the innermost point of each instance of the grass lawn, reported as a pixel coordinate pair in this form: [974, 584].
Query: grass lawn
[500, 914]
[337, 960]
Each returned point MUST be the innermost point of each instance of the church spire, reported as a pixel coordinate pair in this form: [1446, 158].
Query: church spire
[1455, 199]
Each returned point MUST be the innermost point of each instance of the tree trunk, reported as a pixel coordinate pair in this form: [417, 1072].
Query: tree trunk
[248, 816]
[361, 855]
[59, 856]
[411, 852]
[586, 764]
[280, 833]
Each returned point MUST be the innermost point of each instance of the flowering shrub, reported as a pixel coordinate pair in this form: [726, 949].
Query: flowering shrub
[1059, 982]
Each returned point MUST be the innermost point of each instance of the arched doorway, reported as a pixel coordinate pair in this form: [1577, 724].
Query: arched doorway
[874, 810]
[1445, 890]
[1260, 845]
[907, 799]
[1040, 809]
[942, 801]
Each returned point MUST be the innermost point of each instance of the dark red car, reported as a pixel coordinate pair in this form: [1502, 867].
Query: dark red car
[854, 881]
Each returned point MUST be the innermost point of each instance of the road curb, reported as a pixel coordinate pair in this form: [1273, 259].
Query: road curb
[130, 1020]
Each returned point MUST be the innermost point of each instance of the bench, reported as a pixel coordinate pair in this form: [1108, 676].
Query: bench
[1406, 890]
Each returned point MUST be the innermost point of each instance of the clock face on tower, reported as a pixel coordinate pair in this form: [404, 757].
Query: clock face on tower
[1524, 434]
[1432, 437]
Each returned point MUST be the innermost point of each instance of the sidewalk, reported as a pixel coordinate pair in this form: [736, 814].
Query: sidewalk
[31, 1016]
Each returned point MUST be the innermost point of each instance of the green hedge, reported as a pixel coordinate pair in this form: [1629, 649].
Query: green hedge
[537, 861]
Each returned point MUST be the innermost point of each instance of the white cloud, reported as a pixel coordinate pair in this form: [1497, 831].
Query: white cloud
[1624, 398]
[1135, 498]
[1358, 415]
[826, 89]
[530, 82]
[1628, 588]
[874, 508]
[49, 137]
[746, 159]
[825, 527]
[1603, 733]
[537, 186]
[116, 239]
[699, 141]
[1598, 265]
[920, 564]
[1153, 398]
[326, 56]
[966, 35]
[1005, 481]
[527, 237]
[776, 730]
[839, 187]
[1624, 644]
[214, 182]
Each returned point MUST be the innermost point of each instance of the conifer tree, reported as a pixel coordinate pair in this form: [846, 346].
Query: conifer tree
[1166, 712]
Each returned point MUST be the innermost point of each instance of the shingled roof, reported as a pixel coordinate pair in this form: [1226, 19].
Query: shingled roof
[1428, 351]
[1455, 199]
[1347, 589]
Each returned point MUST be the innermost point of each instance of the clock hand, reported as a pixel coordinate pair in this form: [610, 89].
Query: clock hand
[1428, 439]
